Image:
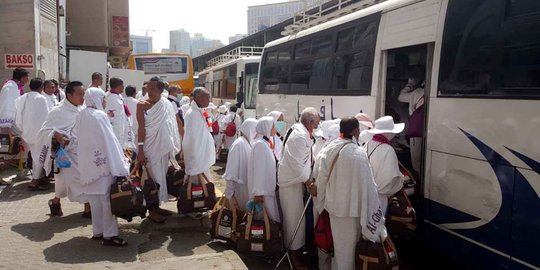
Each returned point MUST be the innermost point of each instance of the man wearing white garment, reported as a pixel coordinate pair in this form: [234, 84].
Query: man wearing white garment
[158, 142]
[119, 114]
[103, 158]
[131, 103]
[198, 145]
[58, 128]
[31, 113]
[97, 81]
[236, 171]
[293, 174]
[262, 168]
[48, 92]
[345, 188]
[11, 90]
[383, 158]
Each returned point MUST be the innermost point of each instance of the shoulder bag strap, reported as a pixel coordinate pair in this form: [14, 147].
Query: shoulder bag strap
[374, 150]
[287, 136]
[335, 160]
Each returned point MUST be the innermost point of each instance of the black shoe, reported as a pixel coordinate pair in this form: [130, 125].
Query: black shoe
[56, 208]
[114, 241]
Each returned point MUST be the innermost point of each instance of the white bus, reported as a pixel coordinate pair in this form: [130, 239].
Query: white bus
[480, 60]
[233, 78]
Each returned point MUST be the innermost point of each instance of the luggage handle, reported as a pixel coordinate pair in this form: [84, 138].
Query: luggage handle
[201, 179]
[266, 224]
[232, 205]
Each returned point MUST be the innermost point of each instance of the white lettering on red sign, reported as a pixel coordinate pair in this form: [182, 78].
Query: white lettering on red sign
[12, 61]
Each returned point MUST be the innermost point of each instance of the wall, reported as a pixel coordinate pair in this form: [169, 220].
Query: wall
[48, 36]
[16, 31]
[87, 23]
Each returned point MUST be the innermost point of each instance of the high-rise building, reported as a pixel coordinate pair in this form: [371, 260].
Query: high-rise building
[141, 44]
[236, 37]
[201, 45]
[264, 16]
[179, 41]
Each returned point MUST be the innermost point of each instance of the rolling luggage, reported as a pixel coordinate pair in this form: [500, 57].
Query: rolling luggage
[376, 256]
[224, 218]
[127, 200]
[259, 236]
[196, 197]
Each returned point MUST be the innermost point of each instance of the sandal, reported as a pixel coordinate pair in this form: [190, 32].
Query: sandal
[56, 208]
[115, 241]
[34, 184]
[156, 218]
[97, 238]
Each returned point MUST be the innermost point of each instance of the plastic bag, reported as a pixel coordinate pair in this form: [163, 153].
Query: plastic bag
[62, 160]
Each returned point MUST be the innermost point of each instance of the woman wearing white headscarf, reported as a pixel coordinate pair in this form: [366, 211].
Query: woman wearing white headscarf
[328, 132]
[103, 158]
[279, 122]
[236, 171]
[219, 118]
[262, 168]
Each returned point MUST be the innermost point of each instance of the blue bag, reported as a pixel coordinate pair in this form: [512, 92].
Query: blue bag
[61, 159]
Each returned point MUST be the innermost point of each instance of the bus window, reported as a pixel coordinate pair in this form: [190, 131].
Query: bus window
[231, 82]
[275, 75]
[251, 83]
[302, 50]
[492, 51]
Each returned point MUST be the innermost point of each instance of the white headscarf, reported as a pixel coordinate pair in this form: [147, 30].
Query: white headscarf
[276, 115]
[93, 97]
[264, 126]
[248, 129]
[324, 130]
[184, 101]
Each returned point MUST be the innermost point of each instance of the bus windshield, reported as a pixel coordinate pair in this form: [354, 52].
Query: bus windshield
[162, 64]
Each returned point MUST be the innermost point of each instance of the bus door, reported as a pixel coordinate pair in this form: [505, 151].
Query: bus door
[405, 94]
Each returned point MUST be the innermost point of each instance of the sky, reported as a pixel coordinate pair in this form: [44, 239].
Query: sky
[215, 19]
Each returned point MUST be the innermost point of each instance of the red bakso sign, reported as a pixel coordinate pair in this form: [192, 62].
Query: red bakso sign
[12, 61]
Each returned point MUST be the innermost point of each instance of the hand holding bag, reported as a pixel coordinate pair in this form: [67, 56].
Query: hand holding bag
[62, 160]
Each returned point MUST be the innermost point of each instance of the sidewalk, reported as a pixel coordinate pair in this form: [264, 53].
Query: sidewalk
[30, 239]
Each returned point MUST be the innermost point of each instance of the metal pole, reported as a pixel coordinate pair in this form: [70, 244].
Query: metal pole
[286, 255]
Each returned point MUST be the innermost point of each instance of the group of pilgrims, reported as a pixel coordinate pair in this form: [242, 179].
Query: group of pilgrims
[347, 165]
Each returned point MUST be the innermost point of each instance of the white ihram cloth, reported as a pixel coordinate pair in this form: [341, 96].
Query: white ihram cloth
[294, 170]
[162, 142]
[104, 223]
[119, 120]
[236, 171]
[8, 94]
[350, 191]
[52, 100]
[415, 99]
[62, 119]
[238, 122]
[328, 132]
[385, 165]
[278, 144]
[218, 139]
[198, 146]
[262, 169]
[131, 103]
[31, 113]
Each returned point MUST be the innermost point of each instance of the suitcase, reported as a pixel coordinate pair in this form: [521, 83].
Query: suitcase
[376, 256]
[127, 200]
[259, 236]
[198, 197]
[175, 178]
[224, 218]
[400, 216]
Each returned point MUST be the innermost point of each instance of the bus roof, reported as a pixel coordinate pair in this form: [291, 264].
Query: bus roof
[247, 59]
[382, 7]
[160, 54]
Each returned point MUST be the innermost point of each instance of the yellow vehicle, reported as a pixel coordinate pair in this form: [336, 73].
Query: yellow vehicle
[175, 68]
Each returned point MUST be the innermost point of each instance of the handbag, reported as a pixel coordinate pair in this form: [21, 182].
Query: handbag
[259, 236]
[416, 121]
[376, 256]
[127, 199]
[197, 197]
[224, 218]
[401, 216]
[175, 178]
[149, 187]
[61, 159]
[323, 231]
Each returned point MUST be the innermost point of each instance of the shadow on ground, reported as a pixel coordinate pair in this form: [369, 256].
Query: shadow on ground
[44, 231]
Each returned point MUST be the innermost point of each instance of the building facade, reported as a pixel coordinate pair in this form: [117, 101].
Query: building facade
[29, 37]
[179, 41]
[264, 16]
[236, 38]
[141, 44]
[201, 45]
